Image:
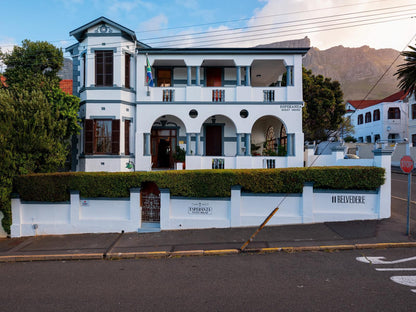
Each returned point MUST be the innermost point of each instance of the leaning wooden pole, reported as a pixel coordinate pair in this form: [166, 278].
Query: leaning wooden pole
[259, 229]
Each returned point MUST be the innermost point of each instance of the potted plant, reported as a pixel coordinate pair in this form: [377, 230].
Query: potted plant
[179, 158]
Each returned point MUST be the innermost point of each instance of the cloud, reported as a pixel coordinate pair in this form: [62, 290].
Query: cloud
[188, 4]
[155, 23]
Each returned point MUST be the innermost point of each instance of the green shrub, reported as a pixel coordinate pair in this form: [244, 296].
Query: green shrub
[56, 187]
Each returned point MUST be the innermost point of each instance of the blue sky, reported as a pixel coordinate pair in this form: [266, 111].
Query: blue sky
[384, 23]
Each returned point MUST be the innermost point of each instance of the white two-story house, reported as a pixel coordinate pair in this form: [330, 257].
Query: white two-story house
[225, 107]
[383, 120]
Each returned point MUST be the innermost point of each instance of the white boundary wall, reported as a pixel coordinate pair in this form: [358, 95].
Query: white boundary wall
[93, 215]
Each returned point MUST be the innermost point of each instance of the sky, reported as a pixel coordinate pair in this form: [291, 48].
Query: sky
[217, 23]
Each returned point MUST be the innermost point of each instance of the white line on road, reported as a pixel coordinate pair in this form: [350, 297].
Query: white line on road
[379, 260]
[396, 269]
[405, 280]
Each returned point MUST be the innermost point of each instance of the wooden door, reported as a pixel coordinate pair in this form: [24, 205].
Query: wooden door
[213, 140]
[214, 76]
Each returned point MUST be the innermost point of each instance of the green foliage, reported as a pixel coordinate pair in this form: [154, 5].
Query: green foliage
[33, 66]
[179, 155]
[324, 108]
[350, 139]
[37, 118]
[407, 71]
[56, 187]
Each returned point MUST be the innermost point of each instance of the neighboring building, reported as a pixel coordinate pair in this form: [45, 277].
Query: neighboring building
[380, 120]
[412, 119]
[227, 107]
[66, 85]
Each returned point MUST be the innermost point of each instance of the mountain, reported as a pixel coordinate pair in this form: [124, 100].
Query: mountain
[357, 69]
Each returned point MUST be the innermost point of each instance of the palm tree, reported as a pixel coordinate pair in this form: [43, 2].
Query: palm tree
[407, 71]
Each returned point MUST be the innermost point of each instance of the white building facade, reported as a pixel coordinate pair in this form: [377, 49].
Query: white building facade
[383, 120]
[226, 108]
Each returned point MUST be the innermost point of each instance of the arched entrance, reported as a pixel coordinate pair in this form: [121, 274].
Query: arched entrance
[165, 137]
[219, 136]
[269, 137]
[150, 202]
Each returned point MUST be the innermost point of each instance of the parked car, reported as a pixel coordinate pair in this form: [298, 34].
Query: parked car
[351, 156]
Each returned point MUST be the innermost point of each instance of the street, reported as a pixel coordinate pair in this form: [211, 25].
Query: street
[354, 280]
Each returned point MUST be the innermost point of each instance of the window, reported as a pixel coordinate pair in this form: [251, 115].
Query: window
[84, 68]
[376, 138]
[360, 140]
[393, 113]
[102, 136]
[414, 140]
[127, 70]
[360, 119]
[376, 115]
[368, 139]
[127, 137]
[104, 68]
[367, 117]
[164, 77]
[413, 111]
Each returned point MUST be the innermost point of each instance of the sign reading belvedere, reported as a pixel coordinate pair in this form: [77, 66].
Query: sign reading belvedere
[348, 199]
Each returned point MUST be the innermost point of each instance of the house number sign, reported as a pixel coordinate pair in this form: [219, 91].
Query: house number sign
[200, 208]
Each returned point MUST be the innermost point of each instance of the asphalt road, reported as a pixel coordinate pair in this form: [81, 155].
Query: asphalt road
[307, 281]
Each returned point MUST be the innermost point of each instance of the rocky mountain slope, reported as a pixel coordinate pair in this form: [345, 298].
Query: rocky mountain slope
[357, 69]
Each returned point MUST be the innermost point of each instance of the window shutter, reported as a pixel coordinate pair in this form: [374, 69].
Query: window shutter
[89, 136]
[127, 137]
[115, 137]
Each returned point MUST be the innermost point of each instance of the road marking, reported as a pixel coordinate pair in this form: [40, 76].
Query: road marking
[396, 269]
[413, 202]
[405, 280]
[379, 260]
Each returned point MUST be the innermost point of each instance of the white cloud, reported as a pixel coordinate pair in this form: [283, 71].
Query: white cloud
[189, 4]
[155, 23]
[381, 35]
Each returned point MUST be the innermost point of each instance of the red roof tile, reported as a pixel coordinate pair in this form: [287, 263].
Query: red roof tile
[66, 85]
[398, 96]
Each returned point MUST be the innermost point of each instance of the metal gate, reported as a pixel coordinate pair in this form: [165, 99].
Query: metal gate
[151, 208]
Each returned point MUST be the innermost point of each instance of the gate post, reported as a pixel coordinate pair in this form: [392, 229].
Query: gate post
[135, 208]
[164, 209]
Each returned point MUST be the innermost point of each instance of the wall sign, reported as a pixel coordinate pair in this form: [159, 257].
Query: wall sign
[348, 199]
[293, 108]
[200, 208]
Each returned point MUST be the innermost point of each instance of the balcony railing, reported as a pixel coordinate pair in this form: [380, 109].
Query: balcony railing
[269, 163]
[218, 163]
[168, 95]
[268, 95]
[218, 95]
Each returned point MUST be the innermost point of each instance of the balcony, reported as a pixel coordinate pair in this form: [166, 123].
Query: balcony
[217, 95]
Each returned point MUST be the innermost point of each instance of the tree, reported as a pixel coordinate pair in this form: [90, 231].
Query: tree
[33, 66]
[37, 119]
[324, 109]
[407, 71]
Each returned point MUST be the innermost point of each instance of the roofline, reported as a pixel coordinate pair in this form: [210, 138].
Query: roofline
[302, 51]
[97, 21]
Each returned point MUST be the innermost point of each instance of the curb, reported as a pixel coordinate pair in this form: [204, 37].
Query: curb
[197, 253]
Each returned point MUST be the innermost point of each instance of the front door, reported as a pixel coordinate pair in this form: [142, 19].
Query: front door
[214, 77]
[213, 140]
[163, 142]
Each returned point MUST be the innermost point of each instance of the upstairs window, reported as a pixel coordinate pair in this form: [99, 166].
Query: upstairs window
[104, 68]
[102, 136]
[367, 117]
[393, 113]
[127, 71]
[360, 119]
[413, 111]
[164, 77]
[376, 115]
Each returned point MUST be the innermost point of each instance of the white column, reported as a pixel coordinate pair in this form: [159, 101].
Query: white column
[16, 227]
[235, 207]
[382, 158]
[135, 208]
[74, 208]
[146, 144]
[164, 209]
[307, 203]
[197, 139]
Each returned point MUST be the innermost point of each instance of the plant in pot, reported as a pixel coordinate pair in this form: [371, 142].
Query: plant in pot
[179, 158]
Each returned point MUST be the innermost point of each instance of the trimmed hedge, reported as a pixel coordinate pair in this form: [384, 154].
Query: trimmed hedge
[56, 187]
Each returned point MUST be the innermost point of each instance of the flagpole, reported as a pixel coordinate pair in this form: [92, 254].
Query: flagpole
[148, 90]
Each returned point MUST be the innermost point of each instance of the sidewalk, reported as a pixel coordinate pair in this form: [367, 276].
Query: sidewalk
[320, 236]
